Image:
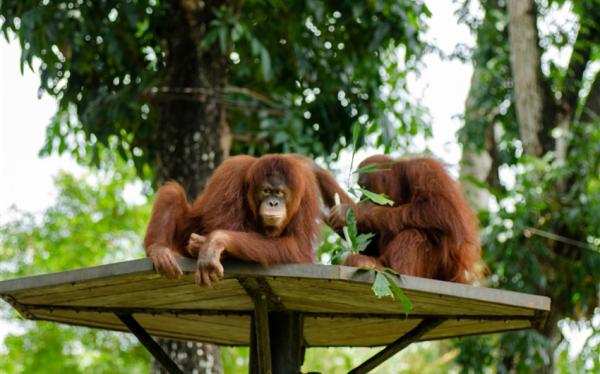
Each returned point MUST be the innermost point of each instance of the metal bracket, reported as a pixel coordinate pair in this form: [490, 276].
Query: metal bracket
[413, 335]
[151, 345]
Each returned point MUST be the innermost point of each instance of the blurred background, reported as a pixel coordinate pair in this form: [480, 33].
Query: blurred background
[101, 101]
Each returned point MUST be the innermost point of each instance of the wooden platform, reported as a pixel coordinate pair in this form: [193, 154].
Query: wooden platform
[337, 304]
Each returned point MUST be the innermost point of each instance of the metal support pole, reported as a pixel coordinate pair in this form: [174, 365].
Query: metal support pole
[151, 345]
[413, 335]
[287, 341]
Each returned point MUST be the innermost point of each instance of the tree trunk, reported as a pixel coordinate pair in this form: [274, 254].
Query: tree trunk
[591, 110]
[193, 136]
[476, 164]
[529, 90]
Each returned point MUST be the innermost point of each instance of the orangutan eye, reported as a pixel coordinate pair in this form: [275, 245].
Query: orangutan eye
[279, 193]
[266, 191]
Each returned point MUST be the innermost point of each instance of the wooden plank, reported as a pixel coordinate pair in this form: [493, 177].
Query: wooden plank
[337, 301]
[71, 292]
[320, 332]
[226, 294]
[77, 287]
[143, 265]
[96, 320]
[299, 294]
[328, 296]
[232, 330]
[370, 332]
[333, 272]
[261, 332]
[453, 328]
[302, 271]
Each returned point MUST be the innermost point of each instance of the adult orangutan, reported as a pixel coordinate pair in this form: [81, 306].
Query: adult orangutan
[263, 210]
[430, 231]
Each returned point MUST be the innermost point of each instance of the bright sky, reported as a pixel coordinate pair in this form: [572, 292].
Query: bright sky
[26, 180]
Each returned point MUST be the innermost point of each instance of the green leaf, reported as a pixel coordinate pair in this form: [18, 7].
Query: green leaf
[209, 38]
[368, 169]
[398, 293]
[353, 242]
[337, 255]
[351, 224]
[381, 286]
[347, 241]
[385, 285]
[377, 198]
[362, 241]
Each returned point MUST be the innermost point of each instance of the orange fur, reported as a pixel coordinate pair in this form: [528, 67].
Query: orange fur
[430, 231]
[227, 205]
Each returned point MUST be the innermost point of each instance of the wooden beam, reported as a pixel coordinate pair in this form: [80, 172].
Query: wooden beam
[237, 269]
[276, 340]
[287, 341]
[25, 310]
[261, 339]
[151, 345]
[413, 335]
[259, 288]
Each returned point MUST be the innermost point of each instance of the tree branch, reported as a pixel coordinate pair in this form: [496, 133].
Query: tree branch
[587, 38]
[591, 109]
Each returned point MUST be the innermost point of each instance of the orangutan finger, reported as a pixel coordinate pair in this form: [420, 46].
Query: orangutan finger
[206, 279]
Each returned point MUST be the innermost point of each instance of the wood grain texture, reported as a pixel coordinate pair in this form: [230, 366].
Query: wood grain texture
[332, 298]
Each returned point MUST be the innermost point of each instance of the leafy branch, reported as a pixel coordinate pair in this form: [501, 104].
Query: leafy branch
[353, 242]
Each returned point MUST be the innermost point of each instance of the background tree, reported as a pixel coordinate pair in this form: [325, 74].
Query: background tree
[90, 223]
[169, 84]
[533, 124]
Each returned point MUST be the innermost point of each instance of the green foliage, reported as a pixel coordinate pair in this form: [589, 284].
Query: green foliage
[542, 233]
[588, 359]
[301, 73]
[368, 169]
[354, 242]
[420, 358]
[51, 348]
[491, 91]
[379, 199]
[385, 285]
[90, 223]
[235, 359]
